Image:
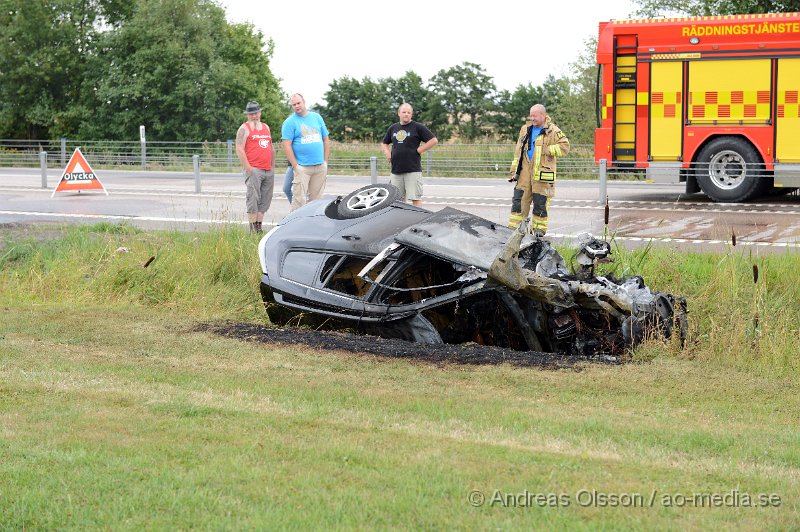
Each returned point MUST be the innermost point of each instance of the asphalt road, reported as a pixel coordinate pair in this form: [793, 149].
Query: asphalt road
[638, 212]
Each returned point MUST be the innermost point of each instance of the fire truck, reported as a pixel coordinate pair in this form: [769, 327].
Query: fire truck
[709, 101]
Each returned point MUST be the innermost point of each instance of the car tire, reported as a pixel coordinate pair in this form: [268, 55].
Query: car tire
[729, 169]
[366, 200]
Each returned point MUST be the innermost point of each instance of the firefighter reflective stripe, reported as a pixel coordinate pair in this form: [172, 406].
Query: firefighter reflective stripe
[537, 159]
[735, 91]
[539, 219]
[515, 220]
[666, 111]
[520, 203]
[787, 144]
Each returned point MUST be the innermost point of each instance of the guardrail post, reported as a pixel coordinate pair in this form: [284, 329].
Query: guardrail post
[428, 163]
[373, 170]
[63, 151]
[196, 165]
[43, 165]
[230, 154]
[603, 180]
[144, 155]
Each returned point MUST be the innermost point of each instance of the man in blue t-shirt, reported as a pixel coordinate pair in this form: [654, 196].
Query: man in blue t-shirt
[305, 142]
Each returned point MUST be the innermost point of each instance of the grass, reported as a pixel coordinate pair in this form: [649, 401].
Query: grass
[116, 413]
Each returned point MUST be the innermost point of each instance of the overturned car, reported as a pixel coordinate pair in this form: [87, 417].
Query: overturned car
[370, 263]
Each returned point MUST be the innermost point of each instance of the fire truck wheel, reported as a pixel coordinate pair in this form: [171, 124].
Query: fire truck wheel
[729, 169]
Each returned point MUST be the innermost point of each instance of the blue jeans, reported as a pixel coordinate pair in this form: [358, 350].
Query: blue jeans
[287, 183]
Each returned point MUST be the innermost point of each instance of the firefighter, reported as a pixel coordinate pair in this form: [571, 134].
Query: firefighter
[540, 142]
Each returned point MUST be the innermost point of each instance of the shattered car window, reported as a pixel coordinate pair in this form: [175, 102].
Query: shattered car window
[420, 277]
[327, 268]
[346, 280]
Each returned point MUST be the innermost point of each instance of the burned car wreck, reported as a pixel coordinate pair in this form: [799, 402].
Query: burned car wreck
[375, 265]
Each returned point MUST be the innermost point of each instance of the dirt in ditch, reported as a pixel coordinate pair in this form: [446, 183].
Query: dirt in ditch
[376, 346]
[21, 232]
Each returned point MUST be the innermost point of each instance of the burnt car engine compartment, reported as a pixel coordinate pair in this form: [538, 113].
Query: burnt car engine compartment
[453, 278]
[586, 313]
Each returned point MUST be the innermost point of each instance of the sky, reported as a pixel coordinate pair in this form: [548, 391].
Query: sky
[517, 43]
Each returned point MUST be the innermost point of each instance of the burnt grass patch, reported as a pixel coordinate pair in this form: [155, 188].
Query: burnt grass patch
[358, 344]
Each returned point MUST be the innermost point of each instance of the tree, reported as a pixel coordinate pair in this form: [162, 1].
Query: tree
[342, 99]
[363, 110]
[513, 109]
[100, 68]
[577, 108]
[657, 8]
[357, 110]
[42, 49]
[180, 69]
[410, 88]
[466, 93]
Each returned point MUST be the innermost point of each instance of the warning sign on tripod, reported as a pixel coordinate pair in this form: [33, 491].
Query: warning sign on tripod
[78, 175]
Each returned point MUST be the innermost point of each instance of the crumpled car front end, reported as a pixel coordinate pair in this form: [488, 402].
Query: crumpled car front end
[580, 312]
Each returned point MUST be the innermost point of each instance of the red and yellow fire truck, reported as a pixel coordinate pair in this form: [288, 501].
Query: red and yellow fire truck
[712, 101]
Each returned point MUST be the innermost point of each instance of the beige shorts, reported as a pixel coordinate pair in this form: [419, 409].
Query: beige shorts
[259, 190]
[410, 184]
[308, 180]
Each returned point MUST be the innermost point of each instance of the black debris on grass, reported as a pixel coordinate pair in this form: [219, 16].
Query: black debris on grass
[437, 354]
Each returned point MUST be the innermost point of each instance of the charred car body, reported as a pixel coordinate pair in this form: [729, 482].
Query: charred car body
[387, 268]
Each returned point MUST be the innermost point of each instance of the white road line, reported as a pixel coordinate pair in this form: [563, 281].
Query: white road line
[120, 217]
[677, 209]
[666, 240]
[462, 186]
[696, 241]
[152, 191]
[495, 202]
[478, 201]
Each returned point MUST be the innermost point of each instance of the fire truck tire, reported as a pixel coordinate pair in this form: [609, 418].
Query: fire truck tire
[729, 169]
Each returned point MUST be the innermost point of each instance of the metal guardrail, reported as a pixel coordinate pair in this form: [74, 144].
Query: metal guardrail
[446, 160]
[153, 155]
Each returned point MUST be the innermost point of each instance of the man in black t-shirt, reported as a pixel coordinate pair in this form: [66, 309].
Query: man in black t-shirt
[403, 144]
